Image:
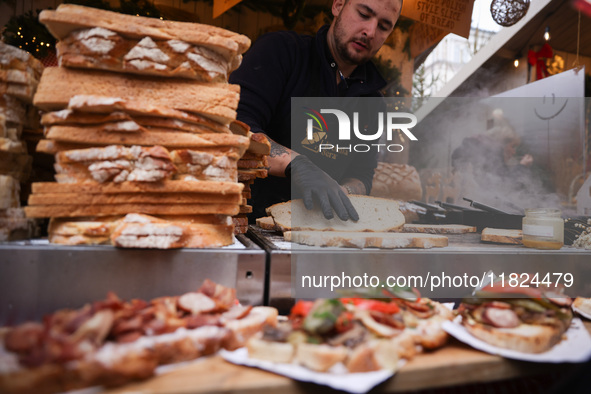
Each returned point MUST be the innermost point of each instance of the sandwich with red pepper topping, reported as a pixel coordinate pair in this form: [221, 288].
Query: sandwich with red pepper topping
[525, 319]
[363, 334]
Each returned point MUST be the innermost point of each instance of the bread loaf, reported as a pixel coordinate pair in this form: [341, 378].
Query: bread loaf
[396, 181]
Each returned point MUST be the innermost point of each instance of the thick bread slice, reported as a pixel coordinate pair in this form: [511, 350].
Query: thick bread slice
[366, 239]
[253, 156]
[375, 214]
[503, 236]
[438, 228]
[373, 355]
[95, 227]
[10, 189]
[277, 352]
[239, 127]
[168, 139]
[240, 230]
[251, 174]
[98, 48]
[79, 239]
[243, 329]
[93, 104]
[250, 164]
[245, 209]
[320, 357]
[70, 17]
[112, 152]
[53, 147]
[76, 210]
[525, 338]
[240, 220]
[259, 144]
[167, 186]
[171, 235]
[14, 58]
[132, 198]
[266, 223]
[215, 100]
[196, 125]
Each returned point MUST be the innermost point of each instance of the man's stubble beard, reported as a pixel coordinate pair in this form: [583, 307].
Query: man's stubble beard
[341, 45]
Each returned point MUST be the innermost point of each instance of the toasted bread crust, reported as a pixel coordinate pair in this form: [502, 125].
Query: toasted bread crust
[525, 338]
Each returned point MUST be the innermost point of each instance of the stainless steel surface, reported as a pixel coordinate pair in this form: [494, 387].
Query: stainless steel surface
[37, 278]
[465, 254]
[278, 269]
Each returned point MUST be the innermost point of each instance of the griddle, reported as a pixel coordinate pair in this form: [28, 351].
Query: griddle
[477, 214]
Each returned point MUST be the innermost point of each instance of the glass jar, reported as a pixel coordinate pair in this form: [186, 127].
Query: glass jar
[543, 228]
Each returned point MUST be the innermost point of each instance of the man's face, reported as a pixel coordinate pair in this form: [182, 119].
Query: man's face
[362, 26]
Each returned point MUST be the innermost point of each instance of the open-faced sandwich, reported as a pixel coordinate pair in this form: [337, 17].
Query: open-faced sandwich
[363, 334]
[111, 342]
[524, 319]
[583, 306]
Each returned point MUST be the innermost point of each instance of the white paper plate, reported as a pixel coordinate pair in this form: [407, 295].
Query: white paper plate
[575, 348]
[337, 377]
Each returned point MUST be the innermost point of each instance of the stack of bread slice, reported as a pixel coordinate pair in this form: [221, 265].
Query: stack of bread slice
[252, 165]
[137, 116]
[19, 77]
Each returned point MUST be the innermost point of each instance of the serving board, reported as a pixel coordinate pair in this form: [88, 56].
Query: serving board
[455, 364]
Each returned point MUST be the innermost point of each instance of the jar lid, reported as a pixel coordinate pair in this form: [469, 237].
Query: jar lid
[543, 211]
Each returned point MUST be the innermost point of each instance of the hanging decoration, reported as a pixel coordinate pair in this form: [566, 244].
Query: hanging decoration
[539, 58]
[555, 65]
[508, 12]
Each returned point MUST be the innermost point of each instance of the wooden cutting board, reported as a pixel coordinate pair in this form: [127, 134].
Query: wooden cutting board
[438, 228]
[501, 236]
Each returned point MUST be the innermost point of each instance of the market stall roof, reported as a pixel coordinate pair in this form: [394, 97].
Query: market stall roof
[510, 42]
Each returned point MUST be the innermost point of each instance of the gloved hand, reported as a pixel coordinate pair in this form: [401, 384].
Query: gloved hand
[317, 185]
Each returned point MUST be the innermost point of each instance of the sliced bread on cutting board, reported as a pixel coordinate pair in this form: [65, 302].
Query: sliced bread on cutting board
[375, 214]
[438, 228]
[501, 236]
[380, 240]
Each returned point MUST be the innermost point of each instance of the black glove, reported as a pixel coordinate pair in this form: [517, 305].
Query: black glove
[315, 184]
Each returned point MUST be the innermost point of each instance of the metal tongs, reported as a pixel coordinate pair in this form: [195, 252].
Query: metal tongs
[484, 207]
[455, 207]
[427, 206]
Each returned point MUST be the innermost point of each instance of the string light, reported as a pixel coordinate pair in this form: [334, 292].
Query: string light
[547, 33]
[516, 61]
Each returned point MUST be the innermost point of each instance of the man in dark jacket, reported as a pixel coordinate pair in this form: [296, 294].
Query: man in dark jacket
[334, 63]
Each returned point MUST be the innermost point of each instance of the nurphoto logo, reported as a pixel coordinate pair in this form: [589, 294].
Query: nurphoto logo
[317, 130]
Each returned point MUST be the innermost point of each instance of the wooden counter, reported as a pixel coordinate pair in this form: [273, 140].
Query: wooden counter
[454, 364]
